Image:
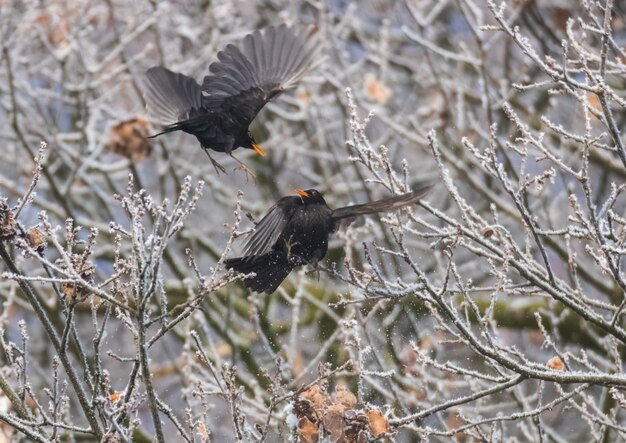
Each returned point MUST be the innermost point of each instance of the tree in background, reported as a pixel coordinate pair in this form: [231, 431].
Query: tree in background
[494, 310]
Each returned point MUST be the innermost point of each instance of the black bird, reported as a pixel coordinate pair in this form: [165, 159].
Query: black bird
[245, 77]
[295, 232]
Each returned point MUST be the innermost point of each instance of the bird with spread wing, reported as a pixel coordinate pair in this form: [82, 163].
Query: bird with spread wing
[245, 77]
[295, 232]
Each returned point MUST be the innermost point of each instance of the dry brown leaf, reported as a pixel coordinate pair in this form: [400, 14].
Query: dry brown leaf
[43, 19]
[76, 292]
[297, 365]
[317, 398]
[344, 396]
[594, 102]
[303, 94]
[7, 223]
[417, 393]
[333, 421]
[30, 403]
[130, 139]
[377, 422]
[426, 344]
[355, 427]
[6, 431]
[203, 433]
[307, 431]
[57, 29]
[454, 421]
[556, 364]
[224, 350]
[409, 358]
[59, 34]
[68, 290]
[304, 408]
[115, 396]
[376, 90]
[167, 368]
[560, 16]
[35, 238]
[487, 232]
[535, 337]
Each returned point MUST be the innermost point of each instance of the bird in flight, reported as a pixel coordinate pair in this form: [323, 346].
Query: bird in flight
[245, 77]
[295, 232]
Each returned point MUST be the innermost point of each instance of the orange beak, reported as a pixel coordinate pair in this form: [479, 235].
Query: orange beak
[302, 193]
[258, 149]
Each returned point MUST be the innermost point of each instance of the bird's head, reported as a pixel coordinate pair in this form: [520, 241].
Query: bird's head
[310, 196]
[249, 143]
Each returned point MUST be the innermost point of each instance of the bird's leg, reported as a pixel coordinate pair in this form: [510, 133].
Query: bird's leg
[215, 164]
[315, 263]
[244, 168]
[290, 244]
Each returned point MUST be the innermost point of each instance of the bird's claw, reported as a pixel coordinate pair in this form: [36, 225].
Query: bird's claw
[247, 171]
[316, 269]
[242, 167]
[218, 167]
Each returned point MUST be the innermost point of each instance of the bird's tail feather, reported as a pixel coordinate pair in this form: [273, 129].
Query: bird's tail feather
[170, 96]
[170, 128]
[384, 205]
[270, 269]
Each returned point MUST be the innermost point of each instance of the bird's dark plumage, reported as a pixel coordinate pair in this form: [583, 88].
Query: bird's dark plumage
[295, 232]
[245, 77]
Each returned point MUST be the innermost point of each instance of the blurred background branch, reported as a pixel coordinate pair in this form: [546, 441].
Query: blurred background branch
[493, 311]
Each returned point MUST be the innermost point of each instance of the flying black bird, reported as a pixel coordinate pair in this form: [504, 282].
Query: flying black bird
[295, 232]
[245, 77]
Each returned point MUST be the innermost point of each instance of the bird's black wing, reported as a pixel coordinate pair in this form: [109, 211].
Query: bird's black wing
[270, 227]
[349, 213]
[259, 68]
[170, 96]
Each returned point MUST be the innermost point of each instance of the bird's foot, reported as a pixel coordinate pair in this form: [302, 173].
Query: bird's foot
[218, 167]
[290, 244]
[247, 171]
[243, 167]
[316, 269]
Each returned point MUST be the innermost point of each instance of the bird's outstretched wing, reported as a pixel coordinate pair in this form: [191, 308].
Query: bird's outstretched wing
[268, 230]
[259, 68]
[349, 213]
[170, 96]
